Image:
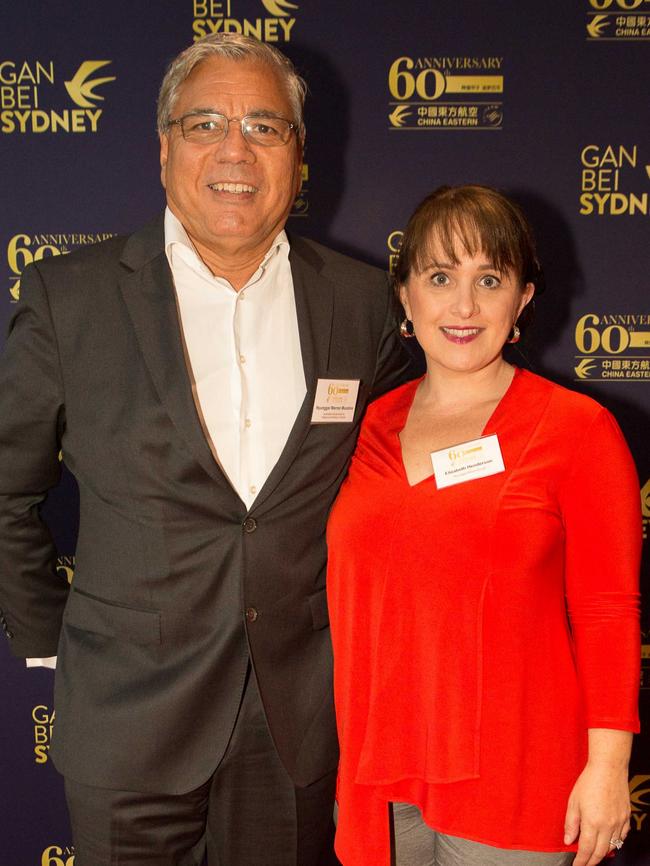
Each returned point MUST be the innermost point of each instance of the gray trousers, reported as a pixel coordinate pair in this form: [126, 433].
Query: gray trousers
[416, 844]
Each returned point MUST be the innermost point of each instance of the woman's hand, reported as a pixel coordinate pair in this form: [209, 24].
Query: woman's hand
[599, 805]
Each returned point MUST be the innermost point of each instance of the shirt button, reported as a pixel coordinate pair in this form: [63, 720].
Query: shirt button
[241, 296]
[253, 488]
[250, 524]
[248, 422]
[251, 614]
[242, 359]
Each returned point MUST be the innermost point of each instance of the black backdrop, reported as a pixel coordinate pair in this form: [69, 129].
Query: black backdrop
[546, 100]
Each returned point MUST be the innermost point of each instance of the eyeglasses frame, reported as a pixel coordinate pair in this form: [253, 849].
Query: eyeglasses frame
[293, 127]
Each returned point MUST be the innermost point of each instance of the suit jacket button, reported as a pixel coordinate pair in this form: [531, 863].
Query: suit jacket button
[9, 634]
[250, 524]
[251, 614]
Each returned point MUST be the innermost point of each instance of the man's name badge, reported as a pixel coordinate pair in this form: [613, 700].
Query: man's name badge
[467, 461]
[335, 401]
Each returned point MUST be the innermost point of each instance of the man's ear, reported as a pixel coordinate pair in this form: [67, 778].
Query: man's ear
[164, 153]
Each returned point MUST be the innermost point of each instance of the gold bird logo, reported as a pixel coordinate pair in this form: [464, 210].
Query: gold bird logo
[398, 117]
[584, 368]
[81, 89]
[278, 7]
[596, 26]
[638, 793]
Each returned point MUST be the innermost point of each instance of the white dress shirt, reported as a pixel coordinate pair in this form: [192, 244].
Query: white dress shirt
[243, 352]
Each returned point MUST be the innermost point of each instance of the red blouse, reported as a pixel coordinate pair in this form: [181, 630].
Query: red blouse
[479, 630]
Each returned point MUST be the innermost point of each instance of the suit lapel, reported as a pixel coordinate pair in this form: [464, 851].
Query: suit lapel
[315, 310]
[314, 296]
[148, 293]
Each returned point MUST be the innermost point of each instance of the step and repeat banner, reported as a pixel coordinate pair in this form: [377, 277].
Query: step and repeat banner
[546, 100]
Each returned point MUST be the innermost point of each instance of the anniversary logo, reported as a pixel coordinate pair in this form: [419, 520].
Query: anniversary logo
[32, 100]
[22, 249]
[218, 16]
[613, 346]
[618, 20]
[446, 92]
[607, 174]
[56, 855]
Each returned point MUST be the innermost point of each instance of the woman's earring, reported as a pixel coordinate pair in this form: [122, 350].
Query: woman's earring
[515, 334]
[406, 329]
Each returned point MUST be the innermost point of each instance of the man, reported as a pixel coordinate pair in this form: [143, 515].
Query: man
[200, 377]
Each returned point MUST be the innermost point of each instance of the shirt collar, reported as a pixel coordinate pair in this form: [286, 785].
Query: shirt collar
[178, 241]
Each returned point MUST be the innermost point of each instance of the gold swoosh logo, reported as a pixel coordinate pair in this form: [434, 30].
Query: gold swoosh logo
[584, 368]
[81, 89]
[398, 117]
[278, 7]
[596, 26]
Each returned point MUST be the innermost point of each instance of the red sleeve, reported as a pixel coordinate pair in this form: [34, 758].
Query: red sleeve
[602, 519]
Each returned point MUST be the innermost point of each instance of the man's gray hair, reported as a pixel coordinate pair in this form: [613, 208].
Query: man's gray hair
[234, 47]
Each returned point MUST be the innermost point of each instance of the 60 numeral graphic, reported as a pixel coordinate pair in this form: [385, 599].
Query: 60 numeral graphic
[20, 254]
[589, 339]
[403, 84]
[52, 857]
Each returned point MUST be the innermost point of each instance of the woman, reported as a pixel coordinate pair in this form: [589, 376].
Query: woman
[483, 594]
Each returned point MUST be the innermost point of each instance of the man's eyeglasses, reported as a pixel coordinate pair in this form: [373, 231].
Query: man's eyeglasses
[208, 128]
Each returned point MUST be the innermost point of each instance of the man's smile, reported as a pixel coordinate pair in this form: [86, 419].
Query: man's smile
[236, 188]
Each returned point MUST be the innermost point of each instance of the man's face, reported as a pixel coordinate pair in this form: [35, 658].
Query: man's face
[222, 219]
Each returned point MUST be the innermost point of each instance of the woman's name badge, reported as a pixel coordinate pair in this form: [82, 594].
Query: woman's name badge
[467, 461]
[335, 401]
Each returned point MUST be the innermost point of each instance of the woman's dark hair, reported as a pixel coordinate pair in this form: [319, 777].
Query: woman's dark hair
[484, 221]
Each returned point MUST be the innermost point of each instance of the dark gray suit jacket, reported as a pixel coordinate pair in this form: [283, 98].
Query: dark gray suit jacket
[153, 640]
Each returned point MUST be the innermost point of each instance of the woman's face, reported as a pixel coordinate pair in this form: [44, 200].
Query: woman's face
[462, 313]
